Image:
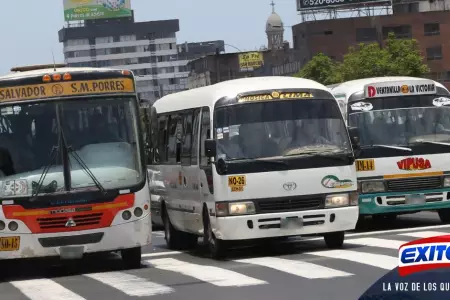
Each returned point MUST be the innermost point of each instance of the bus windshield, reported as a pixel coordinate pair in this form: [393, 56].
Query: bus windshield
[101, 132]
[400, 125]
[280, 128]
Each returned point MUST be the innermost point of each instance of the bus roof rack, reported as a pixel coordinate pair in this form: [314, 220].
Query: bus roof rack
[37, 67]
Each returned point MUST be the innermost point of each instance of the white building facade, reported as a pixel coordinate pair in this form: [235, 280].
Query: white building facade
[149, 49]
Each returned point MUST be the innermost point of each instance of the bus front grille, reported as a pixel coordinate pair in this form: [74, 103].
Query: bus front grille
[414, 184]
[75, 221]
[289, 204]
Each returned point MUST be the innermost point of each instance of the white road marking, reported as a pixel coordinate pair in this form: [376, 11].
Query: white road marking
[130, 284]
[158, 234]
[376, 260]
[161, 253]
[375, 242]
[390, 232]
[45, 289]
[214, 275]
[298, 268]
[425, 234]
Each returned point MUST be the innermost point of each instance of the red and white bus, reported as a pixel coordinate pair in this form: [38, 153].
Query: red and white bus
[72, 165]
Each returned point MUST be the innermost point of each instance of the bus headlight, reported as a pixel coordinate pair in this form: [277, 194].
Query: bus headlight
[372, 187]
[447, 181]
[235, 208]
[337, 200]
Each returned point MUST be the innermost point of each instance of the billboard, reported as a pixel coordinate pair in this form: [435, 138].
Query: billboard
[324, 4]
[96, 9]
[250, 60]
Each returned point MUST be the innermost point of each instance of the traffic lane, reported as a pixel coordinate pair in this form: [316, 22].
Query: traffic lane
[420, 219]
[281, 284]
[25, 269]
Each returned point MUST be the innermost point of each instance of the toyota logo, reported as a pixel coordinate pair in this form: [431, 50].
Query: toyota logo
[290, 186]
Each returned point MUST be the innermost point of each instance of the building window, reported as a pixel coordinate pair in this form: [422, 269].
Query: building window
[431, 29]
[401, 31]
[366, 34]
[104, 40]
[434, 53]
[126, 38]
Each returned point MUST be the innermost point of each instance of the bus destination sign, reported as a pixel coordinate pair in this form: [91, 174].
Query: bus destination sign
[275, 96]
[66, 88]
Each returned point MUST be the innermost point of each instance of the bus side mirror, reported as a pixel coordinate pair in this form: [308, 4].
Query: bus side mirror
[354, 139]
[210, 148]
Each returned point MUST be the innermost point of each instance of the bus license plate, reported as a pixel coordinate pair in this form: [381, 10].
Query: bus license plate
[235, 181]
[365, 165]
[291, 223]
[415, 199]
[10, 243]
[71, 252]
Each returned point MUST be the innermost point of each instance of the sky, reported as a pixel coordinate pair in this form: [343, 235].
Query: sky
[30, 27]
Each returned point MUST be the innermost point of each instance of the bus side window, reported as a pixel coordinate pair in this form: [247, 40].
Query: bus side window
[162, 139]
[174, 142]
[195, 132]
[186, 139]
[204, 134]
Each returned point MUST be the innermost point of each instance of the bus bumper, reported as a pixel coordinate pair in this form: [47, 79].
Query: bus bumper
[269, 225]
[396, 203]
[118, 237]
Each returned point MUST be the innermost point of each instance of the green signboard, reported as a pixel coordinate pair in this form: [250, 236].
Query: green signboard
[96, 9]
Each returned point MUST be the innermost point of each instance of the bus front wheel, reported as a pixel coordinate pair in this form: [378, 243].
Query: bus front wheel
[217, 248]
[444, 215]
[132, 257]
[334, 240]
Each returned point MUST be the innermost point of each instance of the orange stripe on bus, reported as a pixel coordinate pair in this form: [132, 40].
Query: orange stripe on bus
[394, 176]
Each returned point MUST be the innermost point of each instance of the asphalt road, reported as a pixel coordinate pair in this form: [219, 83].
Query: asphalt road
[293, 270]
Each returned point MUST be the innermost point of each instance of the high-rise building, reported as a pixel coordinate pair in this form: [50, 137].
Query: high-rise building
[149, 49]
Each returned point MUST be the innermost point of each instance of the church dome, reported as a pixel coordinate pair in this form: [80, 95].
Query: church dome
[274, 22]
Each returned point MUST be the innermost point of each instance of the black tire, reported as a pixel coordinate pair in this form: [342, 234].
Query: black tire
[444, 215]
[334, 240]
[176, 239]
[131, 257]
[217, 248]
[361, 222]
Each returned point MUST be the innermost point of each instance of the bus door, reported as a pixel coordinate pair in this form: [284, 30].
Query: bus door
[205, 176]
[190, 170]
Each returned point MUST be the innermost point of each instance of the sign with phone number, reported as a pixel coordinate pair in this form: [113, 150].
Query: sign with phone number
[312, 4]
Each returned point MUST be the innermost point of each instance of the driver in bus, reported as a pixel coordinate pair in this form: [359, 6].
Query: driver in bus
[308, 134]
[255, 142]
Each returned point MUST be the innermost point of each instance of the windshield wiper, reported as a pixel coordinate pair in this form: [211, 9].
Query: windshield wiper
[50, 187]
[97, 183]
[431, 142]
[390, 147]
[339, 155]
[258, 160]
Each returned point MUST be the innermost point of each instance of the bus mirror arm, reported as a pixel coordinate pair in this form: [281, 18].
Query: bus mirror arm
[354, 139]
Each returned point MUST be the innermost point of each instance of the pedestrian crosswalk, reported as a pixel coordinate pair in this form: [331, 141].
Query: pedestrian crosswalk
[170, 272]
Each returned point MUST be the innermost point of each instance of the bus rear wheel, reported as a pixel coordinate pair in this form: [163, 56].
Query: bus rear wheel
[334, 240]
[132, 257]
[176, 239]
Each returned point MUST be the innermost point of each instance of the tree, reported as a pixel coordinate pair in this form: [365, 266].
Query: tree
[320, 68]
[399, 57]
